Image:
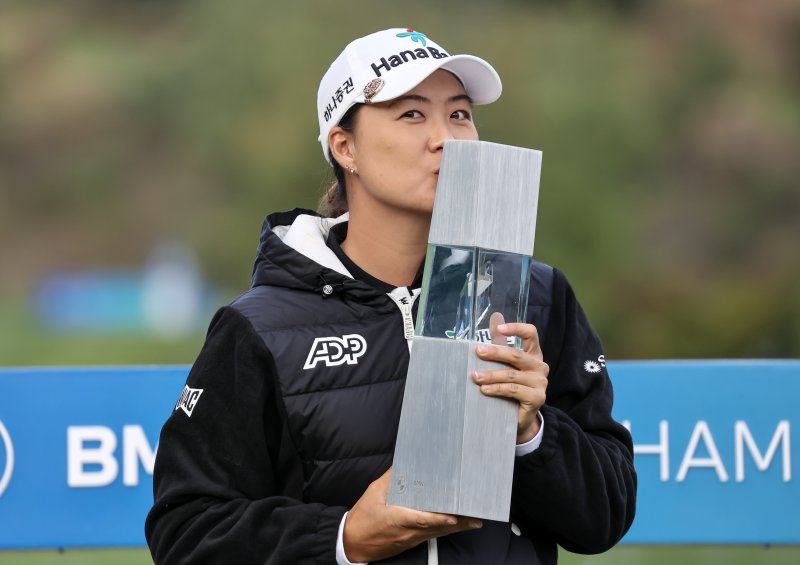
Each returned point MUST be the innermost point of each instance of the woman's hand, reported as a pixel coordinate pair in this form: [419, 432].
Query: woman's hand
[525, 380]
[374, 530]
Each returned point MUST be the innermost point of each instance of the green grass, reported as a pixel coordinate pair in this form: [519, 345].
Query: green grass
[688, 555]
[23, 342]
[137, 556]
[622, 555]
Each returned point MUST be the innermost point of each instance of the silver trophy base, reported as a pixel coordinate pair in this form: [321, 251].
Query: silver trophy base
[455, 446]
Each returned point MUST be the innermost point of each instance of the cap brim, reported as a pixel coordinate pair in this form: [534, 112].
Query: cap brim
[481, 82]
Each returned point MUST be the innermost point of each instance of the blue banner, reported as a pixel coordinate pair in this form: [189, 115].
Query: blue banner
[713, 449]
[77, 453]
[713, 442]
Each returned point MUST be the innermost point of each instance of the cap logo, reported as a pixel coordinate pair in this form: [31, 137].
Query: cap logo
[373, 87]
[415, 36]
[337, 98]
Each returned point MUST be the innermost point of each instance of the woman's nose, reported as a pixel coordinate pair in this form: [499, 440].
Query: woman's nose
[441, 132]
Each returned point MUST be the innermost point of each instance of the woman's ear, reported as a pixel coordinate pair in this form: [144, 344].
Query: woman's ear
[340, 143]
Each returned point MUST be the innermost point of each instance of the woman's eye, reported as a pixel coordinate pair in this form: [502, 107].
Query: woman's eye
[460, 115]
[412, 114]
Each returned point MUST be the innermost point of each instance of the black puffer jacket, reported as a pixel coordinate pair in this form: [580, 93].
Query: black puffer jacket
[302, 381]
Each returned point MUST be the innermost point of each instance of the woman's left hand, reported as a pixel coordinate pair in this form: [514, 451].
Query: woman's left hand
[526, 378]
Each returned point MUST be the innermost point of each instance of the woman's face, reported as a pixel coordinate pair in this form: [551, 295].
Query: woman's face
[396, 146]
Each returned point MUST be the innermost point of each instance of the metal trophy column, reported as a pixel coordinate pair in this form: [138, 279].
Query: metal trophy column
[455, 446]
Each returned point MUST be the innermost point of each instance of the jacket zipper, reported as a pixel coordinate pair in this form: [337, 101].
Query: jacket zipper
[405, 302]
[408, 321]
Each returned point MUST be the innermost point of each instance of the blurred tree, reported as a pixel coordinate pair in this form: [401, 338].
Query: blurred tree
[670, 132]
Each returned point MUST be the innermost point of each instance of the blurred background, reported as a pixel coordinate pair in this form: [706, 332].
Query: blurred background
[143, 141]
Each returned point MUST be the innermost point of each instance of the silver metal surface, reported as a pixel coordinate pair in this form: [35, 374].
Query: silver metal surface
[455, 448]
[487, 197]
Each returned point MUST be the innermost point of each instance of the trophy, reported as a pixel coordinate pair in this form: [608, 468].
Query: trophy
[455, 447]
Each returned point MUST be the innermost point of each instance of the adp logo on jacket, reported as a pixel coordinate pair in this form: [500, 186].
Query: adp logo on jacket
[335, 351]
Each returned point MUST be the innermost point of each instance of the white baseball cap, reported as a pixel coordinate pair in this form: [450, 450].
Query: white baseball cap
[389, 63]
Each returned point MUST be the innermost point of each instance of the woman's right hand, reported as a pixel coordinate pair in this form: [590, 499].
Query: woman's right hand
[374, 530]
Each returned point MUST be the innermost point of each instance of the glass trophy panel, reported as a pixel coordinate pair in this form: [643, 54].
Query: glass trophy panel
[468, 290]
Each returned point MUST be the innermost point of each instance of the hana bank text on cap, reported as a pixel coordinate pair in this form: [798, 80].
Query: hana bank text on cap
[389, 63]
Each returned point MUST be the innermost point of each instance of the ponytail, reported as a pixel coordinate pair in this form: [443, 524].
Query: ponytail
[334, 202]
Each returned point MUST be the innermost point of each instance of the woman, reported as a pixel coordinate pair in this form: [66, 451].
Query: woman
[284, 454]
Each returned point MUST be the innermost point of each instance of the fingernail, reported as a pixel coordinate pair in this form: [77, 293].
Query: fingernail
[482, 349]
[452, 521]
[476, 524]
[478, 377]
[503, 327]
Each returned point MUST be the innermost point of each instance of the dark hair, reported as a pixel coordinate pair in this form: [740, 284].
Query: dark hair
[334, 202]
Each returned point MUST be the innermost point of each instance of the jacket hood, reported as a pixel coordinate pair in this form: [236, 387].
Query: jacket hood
[292, 253]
